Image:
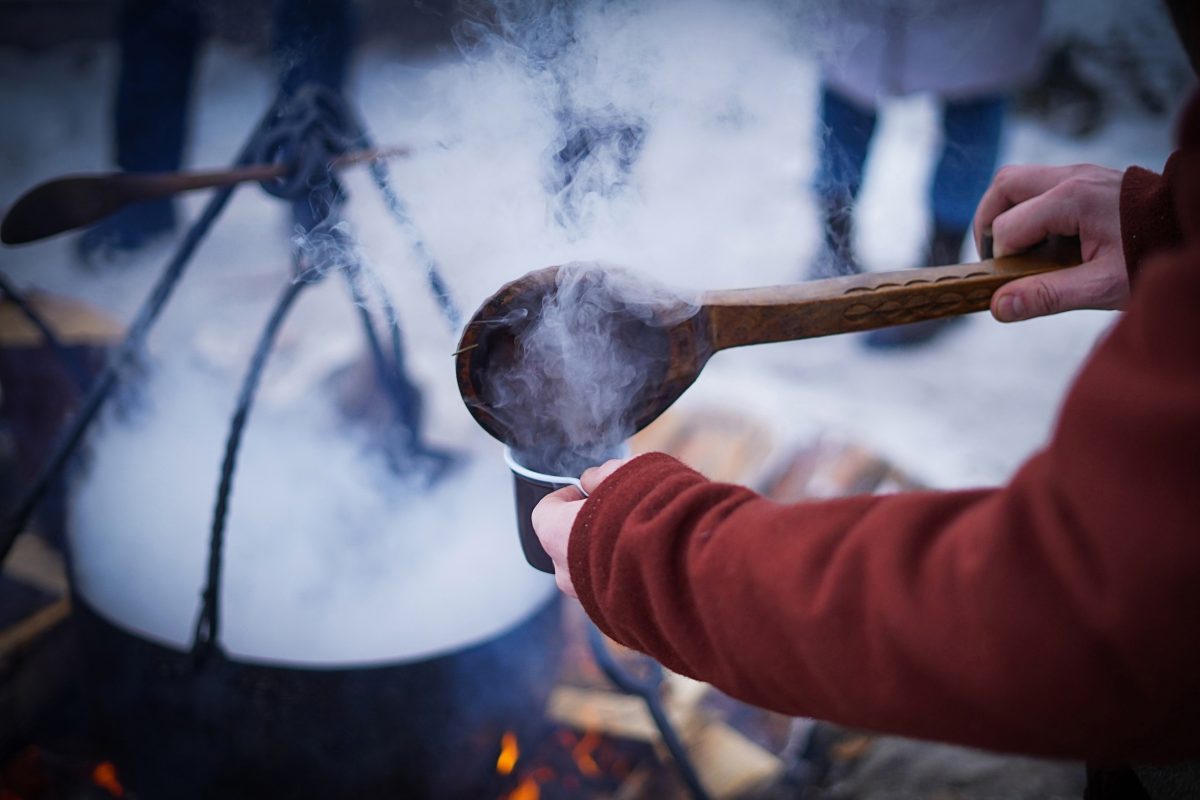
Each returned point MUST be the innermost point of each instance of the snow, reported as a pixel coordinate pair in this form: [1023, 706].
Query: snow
[717, 199]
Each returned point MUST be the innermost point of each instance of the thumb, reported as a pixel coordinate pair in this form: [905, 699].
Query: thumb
[1100, 283]
[1035, 296]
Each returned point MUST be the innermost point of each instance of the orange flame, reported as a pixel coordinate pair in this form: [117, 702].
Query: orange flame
[509, 753]
[527, 789]
[104, 775]
[582, 753]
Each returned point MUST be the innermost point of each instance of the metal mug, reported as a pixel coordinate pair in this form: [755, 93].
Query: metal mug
[529, 487]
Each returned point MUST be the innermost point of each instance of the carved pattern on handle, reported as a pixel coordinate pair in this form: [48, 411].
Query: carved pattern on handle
[901, 310]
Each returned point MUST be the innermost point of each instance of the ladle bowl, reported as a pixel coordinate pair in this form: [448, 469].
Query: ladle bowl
[492, 343]
[677, 346]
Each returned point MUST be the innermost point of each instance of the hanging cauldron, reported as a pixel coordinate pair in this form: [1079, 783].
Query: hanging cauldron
[228, 728]
[265, 704]
[377, 715]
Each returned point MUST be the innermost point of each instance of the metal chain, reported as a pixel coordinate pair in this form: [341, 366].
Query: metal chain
[126, 353]
[647, 690]
[209, 619]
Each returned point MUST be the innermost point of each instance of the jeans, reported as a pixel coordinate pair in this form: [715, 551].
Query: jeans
[159, 42]
[970, 148]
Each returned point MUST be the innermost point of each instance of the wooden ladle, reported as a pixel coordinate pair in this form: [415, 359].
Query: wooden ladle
[76, 201]
[491, 342]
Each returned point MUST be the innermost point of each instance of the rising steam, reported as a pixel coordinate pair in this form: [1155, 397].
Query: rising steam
[595, 343]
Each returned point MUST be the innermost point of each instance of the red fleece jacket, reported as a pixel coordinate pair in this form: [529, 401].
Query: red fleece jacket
[1059, 615]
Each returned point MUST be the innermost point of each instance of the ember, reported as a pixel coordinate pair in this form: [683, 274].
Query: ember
[36, 773]
[104, 775]
[582, 753]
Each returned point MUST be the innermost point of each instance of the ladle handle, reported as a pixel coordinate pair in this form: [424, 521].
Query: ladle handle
[873, 300]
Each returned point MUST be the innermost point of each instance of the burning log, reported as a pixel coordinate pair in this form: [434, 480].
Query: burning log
[728, 762]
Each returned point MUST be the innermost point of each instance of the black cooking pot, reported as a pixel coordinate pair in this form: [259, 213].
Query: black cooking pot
[234, 729]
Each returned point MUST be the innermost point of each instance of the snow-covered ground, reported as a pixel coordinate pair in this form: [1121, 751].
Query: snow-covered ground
[718, 198]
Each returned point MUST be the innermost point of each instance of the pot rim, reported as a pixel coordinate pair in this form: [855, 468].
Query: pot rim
[318, 665]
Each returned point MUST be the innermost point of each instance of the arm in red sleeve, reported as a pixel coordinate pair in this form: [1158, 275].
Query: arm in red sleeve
[1056, 616]
[1148, 220]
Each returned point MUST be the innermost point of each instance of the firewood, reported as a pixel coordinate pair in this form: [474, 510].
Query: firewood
[660, 435]
[728, 762]
[835, 469]
[73, 322]
[720, 443]
[619, 715]
[18, 636]
[34, 562]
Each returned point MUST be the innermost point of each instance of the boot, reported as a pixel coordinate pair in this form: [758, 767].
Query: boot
[945, 247]
[127, 231]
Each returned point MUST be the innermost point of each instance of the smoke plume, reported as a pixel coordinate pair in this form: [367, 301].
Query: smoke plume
[593, 345]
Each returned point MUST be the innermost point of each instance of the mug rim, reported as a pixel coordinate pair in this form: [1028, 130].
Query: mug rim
[540, 477]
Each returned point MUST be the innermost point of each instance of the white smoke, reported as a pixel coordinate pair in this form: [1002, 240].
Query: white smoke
[595, 342]
[330, 558]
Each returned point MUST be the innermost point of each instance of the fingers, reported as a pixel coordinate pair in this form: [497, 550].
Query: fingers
[553, 519]
[593, 477]
[553, 507]
[1013, 185]
[567, 494]
[1100, 283]
[1057, 211]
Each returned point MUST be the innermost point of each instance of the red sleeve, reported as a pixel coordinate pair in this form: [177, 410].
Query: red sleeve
[1056, 616]
[1148, 221]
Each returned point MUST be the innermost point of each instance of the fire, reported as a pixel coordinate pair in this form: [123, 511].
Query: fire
[527, 789]
[509, 753]
[582, 753]
[104, 775]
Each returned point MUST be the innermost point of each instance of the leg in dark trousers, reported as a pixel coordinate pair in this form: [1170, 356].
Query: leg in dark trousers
[312, 42]
[970, 149]
[971, 132]
[846, 129]
[159, 42]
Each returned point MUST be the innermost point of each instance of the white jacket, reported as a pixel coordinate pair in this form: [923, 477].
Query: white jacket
[954, 48]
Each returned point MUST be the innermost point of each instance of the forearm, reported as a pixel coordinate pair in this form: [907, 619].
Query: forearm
[884, 613]
[946, 616]
[1054, 616]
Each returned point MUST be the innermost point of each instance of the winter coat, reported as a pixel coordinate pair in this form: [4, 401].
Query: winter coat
[954, 48]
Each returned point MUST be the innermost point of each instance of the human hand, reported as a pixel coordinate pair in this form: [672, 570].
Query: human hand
[555, 515]
[1025, 204]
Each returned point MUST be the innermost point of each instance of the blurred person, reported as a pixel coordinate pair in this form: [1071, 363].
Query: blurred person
[1054, 616]
[596, 143]
[970, 56]
[159, 41]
